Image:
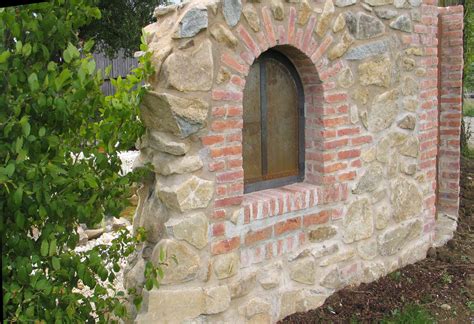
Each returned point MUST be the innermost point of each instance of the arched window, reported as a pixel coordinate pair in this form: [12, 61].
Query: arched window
[273, 132]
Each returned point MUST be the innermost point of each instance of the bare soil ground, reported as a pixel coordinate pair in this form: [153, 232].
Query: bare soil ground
[441, 285]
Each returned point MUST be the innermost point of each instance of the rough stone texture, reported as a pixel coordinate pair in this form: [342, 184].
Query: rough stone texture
[165, 142]
[367, 50]
[269, 277]
[304, 12]
[358, 222]
[192, 23]
[407, 201]
[382, 217]
[217, 299]
[303, 270]
[409, 86]
[192, 229]
[385, 13]
[322, 233]
[364, 26]
[232, 9]
[378, 2]
[345, 78]
[375, 72]
[333, 280]
[190, 194]
[136, 276]
[394, 239]
[179, 116]
[370, 180]
[408, 122]
[383, 150]
[243, 285]
[251, 16]
[411, 147]
[151, 215]
[402, 23]
[373, 271]
[167, 164]
[255, 306]
[339, 23]
[367, 249]
[277, 9]
[325, 18]
[383, 113]
[344, 3]
[338, 258]
[223, 35]
[340, 48]
[226, 265]
[190, 71]
[181, 262]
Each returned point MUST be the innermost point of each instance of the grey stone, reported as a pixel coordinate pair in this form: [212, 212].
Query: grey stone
[409, 86]
[226, 265]
[136, 276]
[192, 23]
[370, 180]
[251, 16]
[385, 13]
[376, 72]
[223, 35]
[192, 193]
[415, 3]
[193, 229]
[411, 147]
[269, 277]
[383, 112]
[151, 214]
[165, 142]
[367, 249]
[407, 201]
[243, 285]
[179, 116]
[408, 168]
[193, 71]
[378, 2]
[338, 258]
[345, 78]
[367, 50]
[333, 280]
[180, 263]
[167, 164]
[354, 114]
[303, 271]
[407, 122]
[364, 26]
[410, 104]
[358, 221]
[340, 48]
[402, 23]
[394, 239]
[93, 233]
[232, 9]
[401, 4]
[255, 306]
[408, 63]
[217, 299]
[344, 3]
[383, 150]
[373, 271]
[162, 11]
[382, 217]
[366, 7]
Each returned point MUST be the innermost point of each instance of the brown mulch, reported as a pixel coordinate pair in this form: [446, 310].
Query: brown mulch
[445, 277]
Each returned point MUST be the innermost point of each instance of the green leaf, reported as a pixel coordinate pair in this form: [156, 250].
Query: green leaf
[56, 263]
[42, 131]
[44, 248]
[19, 219]
[88, 45]
[4, 56]
[10, 169]
[26, 50]
[18, 196]
[52, 247]
[33, 81]
[26, 127]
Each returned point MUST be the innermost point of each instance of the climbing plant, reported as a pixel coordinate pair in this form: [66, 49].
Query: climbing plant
[59, 164]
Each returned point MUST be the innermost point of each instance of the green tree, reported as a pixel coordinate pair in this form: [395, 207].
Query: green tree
[120, 25]
[469, 45]
[59, 138]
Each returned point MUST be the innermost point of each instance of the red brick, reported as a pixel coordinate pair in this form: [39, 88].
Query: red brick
[218, 229]
[224, 95]
[231, 62]
[212, 139]
[225, 151]
[318, 218]
[225, 246]
[361, 140]
[229, 176]
[349, 154]
[287, 226]
[257, 236]
[221, 125]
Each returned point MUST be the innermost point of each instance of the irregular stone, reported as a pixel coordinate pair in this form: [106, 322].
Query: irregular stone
[402, 23]
[251, 16]
[165, 142]
[193, 229]
[158, 56]
[364, 26]
[254, 307]
[345, 78]
[289, 301]
[415, 3]
[192, 23]
[232, 10]
[382, 217]
[366, 7]
[367, 50]
[179, 116]
[358, 222]
[243, 286]
[151, 215]
[277, 9]
[417, 51]
[401, 4]
[92, 234]
[325, 18]
[394, 239]
[415, 15]
[410, 104]
[167, 306]
[223, 75]
[392, 167]
[167, 164]
[414, 253]
[163, 11]
[354, 114]
[323, 250]
[340, 257]
[226, 265]
[383, 112]
[304, 12]
[375, 3]
[180, 264]
[408, 168]
[321, 233]
[397, 138]
[303, 271]
[340, 48]
[367, 249]
[333, 280]
[223, 35]
[217, 299]
[383, 150]
[370, 180]
[385, 13]
[373, 271]
[408, 63]
[339, 23]
[368, 155]
[409, 86]
[363, 116]
[269, 277]
[136, 276]
[83, 238]
[345, 3]
[190, 71]
[190, 194]
[375, 72]
[408, 122]
[411, 147]
[407, 201]
[311, 299]
[378, 196]
[362, 95]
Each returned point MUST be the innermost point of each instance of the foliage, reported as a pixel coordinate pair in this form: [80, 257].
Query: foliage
[410, 314]
[469, 45]
[120, 25]
[59, 138]
[468, 107]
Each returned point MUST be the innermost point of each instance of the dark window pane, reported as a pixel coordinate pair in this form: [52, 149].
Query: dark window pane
[282, 121]
[252, 132]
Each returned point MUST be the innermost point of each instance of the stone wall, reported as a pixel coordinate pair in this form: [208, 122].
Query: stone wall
[368, 202]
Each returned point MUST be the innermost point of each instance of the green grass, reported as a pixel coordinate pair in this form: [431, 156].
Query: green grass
[410, 314]
[468, 107]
